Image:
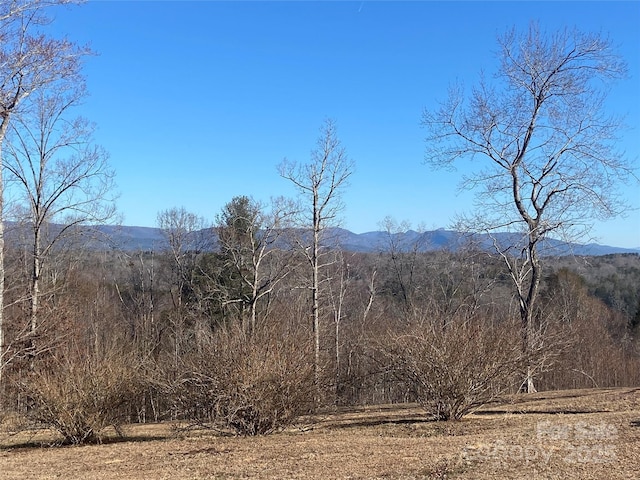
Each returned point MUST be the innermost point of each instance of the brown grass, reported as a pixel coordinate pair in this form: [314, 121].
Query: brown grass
[580, 434]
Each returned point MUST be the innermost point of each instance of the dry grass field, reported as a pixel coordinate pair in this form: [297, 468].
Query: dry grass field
[582, 434]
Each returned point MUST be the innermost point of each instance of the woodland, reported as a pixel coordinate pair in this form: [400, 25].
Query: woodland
[135, 337]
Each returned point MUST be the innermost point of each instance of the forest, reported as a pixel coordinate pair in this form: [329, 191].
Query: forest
[224, 336]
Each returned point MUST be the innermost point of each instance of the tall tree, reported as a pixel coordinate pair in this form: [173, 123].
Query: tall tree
[548, 147]
[249, 233]
[237, 226]
[187, 236]
[320, 183]
[403, 257]
[62, 177]
[30, 61]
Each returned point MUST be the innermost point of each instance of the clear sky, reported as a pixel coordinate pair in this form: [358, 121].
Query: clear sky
[198, 102]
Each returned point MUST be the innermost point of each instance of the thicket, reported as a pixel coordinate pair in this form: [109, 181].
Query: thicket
[250, 384]
[79, 396]
[453, 367]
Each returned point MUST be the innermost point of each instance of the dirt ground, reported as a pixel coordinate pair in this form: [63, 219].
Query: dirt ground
[581, 434]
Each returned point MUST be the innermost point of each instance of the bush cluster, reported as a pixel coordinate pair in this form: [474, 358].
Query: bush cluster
[80, 397]
[453, 368]
[250, 384]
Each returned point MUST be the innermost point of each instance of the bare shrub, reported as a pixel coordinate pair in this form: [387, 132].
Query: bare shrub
[80, 397]
[453, 368]
[251, 384]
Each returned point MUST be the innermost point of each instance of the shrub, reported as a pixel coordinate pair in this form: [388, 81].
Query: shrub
[456, 367]
[251, 384]
[80, 397]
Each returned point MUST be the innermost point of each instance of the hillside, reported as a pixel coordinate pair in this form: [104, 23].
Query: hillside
[131, 238]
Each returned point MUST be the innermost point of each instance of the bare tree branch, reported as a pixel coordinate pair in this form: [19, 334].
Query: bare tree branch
[551, 164]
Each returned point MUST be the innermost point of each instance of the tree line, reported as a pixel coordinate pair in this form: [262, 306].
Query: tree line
[189, 335]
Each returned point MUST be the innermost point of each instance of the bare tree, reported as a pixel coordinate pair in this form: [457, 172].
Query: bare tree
[187, 236]
[12, 9]
[338, 283]
[29, 62]
[320, 183]
[403, 257]
[61, 175]
[548, 145]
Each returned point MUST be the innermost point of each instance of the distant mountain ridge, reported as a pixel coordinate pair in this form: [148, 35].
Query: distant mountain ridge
[149, 238]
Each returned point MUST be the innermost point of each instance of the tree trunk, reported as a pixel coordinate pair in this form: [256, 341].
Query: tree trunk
[337, 346]
[528, 385]
[315, 306]
[528, 326]
[3, 131]
[35, 287]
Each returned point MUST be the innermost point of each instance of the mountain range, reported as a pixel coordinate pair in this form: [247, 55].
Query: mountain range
[148, 238]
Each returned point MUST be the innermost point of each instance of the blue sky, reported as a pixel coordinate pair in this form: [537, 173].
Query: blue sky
[198, 102]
